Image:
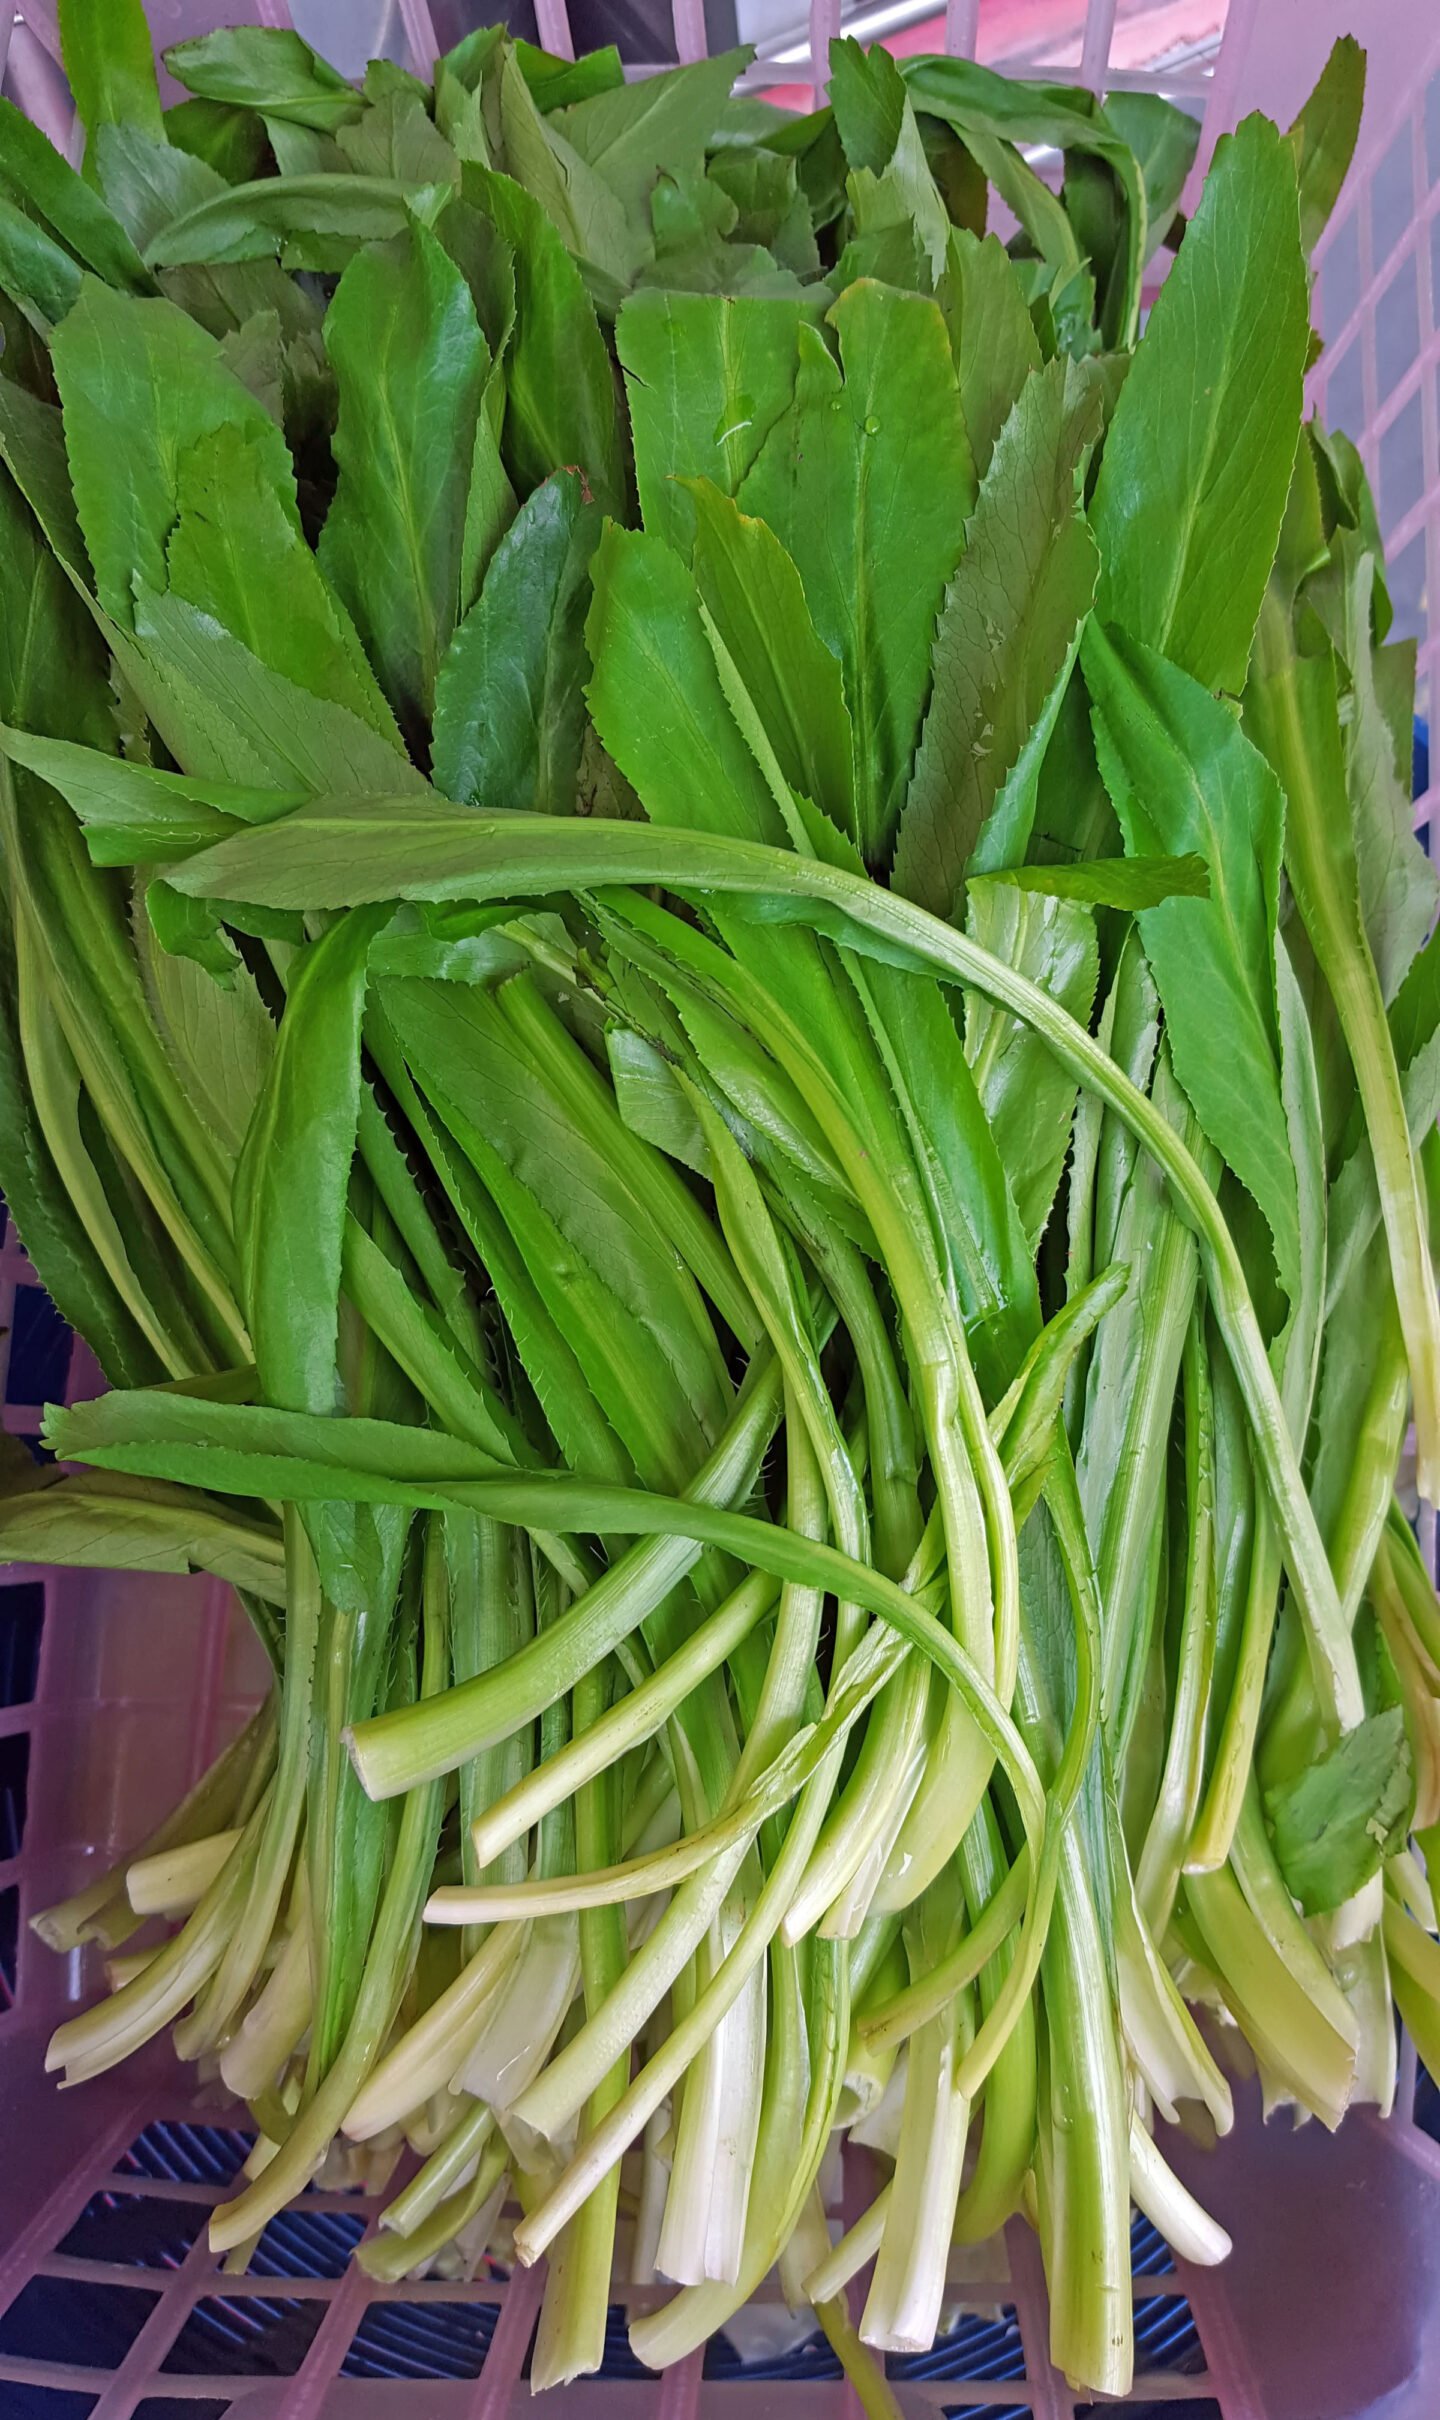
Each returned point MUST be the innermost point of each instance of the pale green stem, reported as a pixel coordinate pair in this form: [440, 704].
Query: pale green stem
[635, 1717]
[416, 1742]
[487, 856]
[443, 2173]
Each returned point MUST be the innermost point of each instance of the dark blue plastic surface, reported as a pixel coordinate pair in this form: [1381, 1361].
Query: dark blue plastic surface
[24, 2400]
[39, 1360]
[244, 2336]
[75, 2319]
[421, 2340]
[977, 2348]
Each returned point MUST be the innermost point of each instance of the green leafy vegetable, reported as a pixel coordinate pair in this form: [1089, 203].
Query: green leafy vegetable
[111, 65]
[38, 179]
[1006, 640]
[866, 481]
[147, 184]
[411, 364]
[882, 142]
[1223, 352]
[1164, 140]
[1324, 137]
[656, 693]
[1340, 1818]
[560, 395]
[508, 705]
[708, 377]
[630, 133]
[268, 69]
[228, 139]
[1180, 772]
[751, 591]
[994, 117]
[141, 385]
[713, 983]
[991, 333]
[1118, 882]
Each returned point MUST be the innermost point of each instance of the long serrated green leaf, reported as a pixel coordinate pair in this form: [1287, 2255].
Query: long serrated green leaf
[413, 1335]
[316, 219]
[1164, 139]
[560, 389]
[586, 212]
[109, 60]
[584, 1437]
[632, 1318]
[60, 1243]
[236, 554]
[1118, 882]
[661, 1198]
[1006, 638]
[707, 377]
[1183, 776]
[223, 713]
[140, 382]
[867, 482]
[998, 119]
[148, 183]
[1324, 136]
[882, 140]
[631, 133]
[1028, 1099]
[992, 335]
[1196, 469]
[36, 274]
[961, 1170]
[220, 1041]
[745, 1079]
[656, 696]
[294, 1172]
[752, 592]
[101, 1521]
[125, 1239]
[265, 68]
[34, 173]
[509, 700]
[32, 439]
[411, 363]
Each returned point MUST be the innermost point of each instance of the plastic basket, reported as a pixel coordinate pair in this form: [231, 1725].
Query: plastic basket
[115, 1691]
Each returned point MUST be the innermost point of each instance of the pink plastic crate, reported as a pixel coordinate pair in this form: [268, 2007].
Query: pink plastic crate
[116, 1691]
